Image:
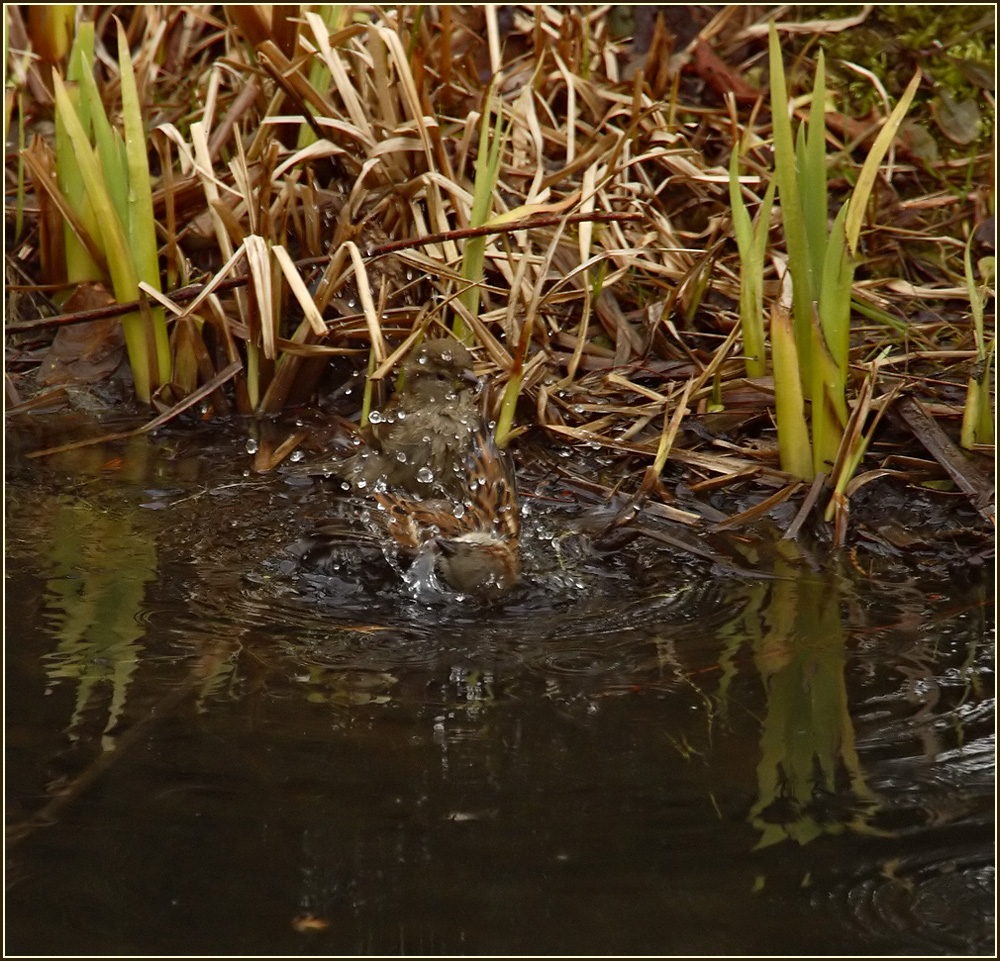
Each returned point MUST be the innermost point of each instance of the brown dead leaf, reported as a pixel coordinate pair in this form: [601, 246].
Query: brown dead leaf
[309, 923]
[89, 352]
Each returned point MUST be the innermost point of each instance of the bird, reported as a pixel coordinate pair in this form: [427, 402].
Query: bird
[439, 490]
[416, 442]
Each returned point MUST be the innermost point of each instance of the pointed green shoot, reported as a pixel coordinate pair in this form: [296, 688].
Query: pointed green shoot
[124, 278]
[110, 147]
[80, 265]
[811, 158]
[487, 171]
[977, 418]
[793, 433]
[139, 221]
[866, 179]
[831, 348]
[751, 239]
[508, 407]
[834, 300]
[789, 199]
[828, 404]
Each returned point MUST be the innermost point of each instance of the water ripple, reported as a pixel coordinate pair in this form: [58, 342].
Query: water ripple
[939, 902]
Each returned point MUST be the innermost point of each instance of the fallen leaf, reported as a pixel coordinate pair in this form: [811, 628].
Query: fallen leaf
[85, 353]
[959, 120]
[309, 923]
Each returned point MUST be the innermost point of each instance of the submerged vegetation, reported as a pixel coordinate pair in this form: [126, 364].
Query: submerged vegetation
[255, 206]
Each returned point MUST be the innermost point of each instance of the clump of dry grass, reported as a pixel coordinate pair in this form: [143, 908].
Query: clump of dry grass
[316, 172]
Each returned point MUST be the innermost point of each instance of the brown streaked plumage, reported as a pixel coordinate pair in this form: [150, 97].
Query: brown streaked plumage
[475, 536]
[440, 484]
[417, 442]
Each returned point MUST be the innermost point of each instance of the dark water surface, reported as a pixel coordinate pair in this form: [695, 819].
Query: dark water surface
[210, 752]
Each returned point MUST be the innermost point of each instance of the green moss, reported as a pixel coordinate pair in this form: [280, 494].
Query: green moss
[954, 45]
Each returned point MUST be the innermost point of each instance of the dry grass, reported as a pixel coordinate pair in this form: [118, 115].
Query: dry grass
[315, 179]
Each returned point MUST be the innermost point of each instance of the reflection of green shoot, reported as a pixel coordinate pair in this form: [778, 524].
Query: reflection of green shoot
[977, 419]
[684, 747]
[807, 738]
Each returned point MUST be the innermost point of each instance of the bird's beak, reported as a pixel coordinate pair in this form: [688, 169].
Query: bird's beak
[448, 548]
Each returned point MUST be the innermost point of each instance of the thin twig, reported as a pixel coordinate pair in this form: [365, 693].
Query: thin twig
[184, 294]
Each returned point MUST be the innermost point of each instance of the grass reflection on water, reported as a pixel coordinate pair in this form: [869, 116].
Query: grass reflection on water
[610, 771]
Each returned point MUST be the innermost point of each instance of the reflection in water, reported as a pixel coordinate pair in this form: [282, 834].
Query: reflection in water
[99, 565]
[807, 737]
[268, 762]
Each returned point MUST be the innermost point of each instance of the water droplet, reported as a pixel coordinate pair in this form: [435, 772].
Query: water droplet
[346, 487]
[400, 415]
[425, 475]
[296, 456]
[374, 417]
[352, 303]
[409, 275]
[401, 457]
[361, 483]
[252, 445]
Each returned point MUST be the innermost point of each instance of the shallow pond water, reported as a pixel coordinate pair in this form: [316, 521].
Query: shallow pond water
[211, 751]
